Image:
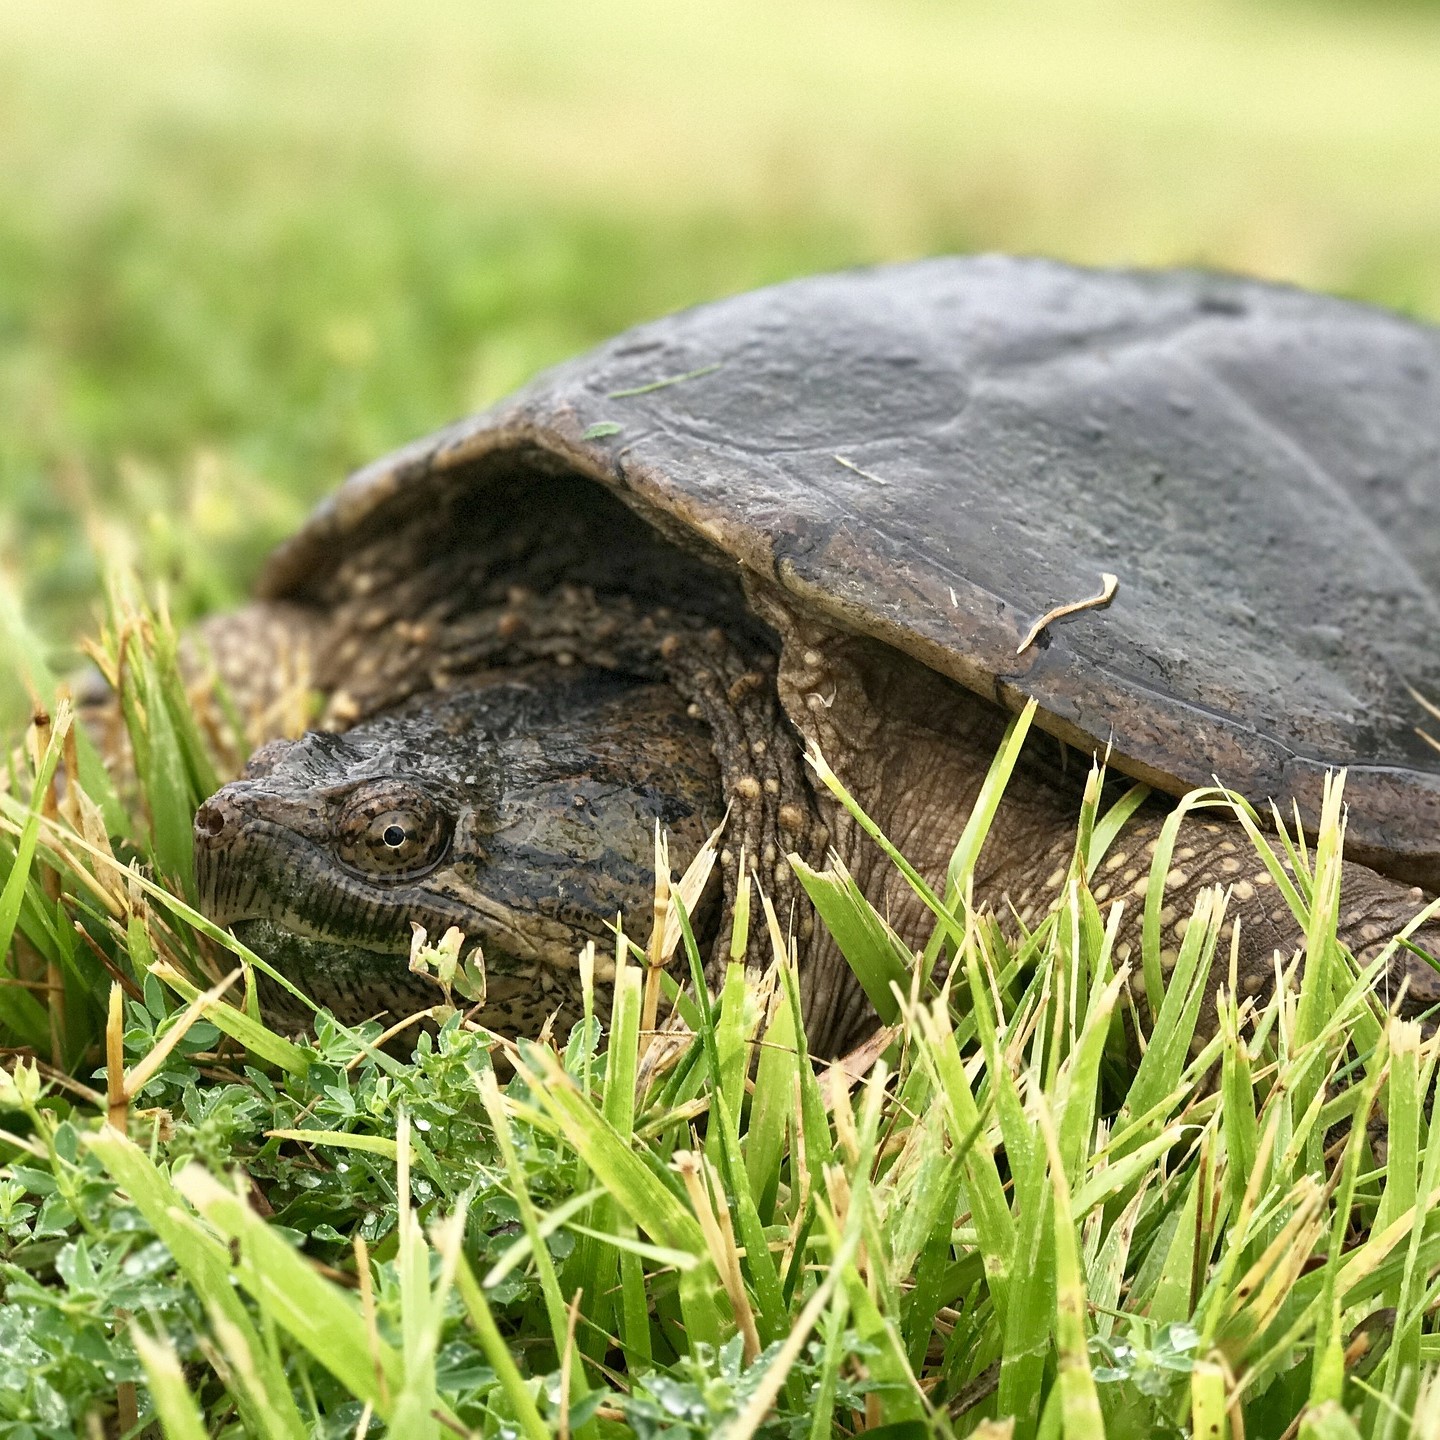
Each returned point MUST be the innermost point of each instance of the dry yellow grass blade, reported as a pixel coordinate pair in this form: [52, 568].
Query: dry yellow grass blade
[1108, 586]
[665, 931]
[720, 1242]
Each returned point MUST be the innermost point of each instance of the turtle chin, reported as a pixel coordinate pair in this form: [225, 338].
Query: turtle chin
[353, 983]
[356, 984]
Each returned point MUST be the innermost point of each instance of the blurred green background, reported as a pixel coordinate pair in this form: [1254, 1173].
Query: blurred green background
[248, 244]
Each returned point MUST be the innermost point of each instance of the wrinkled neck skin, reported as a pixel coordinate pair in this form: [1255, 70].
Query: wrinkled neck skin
[521, 809]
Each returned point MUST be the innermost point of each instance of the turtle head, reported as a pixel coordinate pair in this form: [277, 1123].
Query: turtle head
[329, 849]
[342, 840]
[520, 812]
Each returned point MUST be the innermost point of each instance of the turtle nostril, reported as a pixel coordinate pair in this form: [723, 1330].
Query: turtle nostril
[210, 821]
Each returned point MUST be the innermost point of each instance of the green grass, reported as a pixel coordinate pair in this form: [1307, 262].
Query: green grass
[152, 382]
[996, 1214]
[247, 246]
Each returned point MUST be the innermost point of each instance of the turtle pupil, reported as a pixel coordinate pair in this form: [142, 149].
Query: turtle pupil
[394, 836]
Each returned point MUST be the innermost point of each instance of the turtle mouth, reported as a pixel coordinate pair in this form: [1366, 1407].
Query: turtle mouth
[271, 936]
[301, 957]
[352, 981]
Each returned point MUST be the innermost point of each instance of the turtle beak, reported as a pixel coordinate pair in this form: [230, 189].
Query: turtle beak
[237, 842]
[219, 824]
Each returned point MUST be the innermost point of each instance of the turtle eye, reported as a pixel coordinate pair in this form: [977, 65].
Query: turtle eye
[392, 834]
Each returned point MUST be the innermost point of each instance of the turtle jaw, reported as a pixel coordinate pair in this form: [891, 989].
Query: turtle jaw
[358, 985]
[264, 869]
[354, 983]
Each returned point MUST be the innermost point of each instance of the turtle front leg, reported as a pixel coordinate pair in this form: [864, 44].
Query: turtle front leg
[1027, 859]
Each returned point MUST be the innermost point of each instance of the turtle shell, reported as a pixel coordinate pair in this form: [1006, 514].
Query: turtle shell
[937, 454]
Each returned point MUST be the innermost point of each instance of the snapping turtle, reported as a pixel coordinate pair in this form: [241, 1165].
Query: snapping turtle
[830, 512]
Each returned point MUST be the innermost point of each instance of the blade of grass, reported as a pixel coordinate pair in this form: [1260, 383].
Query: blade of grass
[549, 1282]
[208, 1266]
[770, 1108]
[169, 1388]
[878, 957]
[255, 1037]
[1079, 1400]
[527, 1415]
[19, 1010]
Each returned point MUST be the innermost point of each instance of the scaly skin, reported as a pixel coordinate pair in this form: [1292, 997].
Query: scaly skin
[912, 747]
